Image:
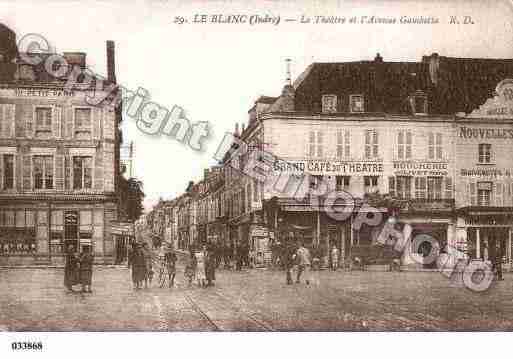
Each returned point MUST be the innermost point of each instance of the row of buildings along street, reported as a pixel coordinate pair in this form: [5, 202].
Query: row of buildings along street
[434, 137]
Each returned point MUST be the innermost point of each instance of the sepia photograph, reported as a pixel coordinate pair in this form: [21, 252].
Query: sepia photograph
[187, 167]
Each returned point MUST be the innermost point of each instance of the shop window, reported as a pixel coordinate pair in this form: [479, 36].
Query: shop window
[43, 172]
[356, 103]
[435, 146]
[403, 187]
[342, 183]
[315, 181]
[57, 232]
[370, 184]
[420, 187]
[484, 153]
[343, 144]
[484, 193]
[371, 144]
[82, 121]
[329, 103]
[7, 172]
[404, 140]
[17, 232]
[315, 144]
[82, 172]
[43, 120]
[434, 187]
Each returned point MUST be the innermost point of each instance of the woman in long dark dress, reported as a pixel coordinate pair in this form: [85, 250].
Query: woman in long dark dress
[210, 266]
[86, 269]
[138, 266]
[71, 268]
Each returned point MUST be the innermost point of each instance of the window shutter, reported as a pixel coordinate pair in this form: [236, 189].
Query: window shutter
[96, 121]
[400, 144]
[505, 195]
[68, 180]
[2, 121]
[347, 139]
[391, 186]
[68, 123]
[408, 144]
[473, 193]
[56, 123]
[498, 194]
[27, 172]
[9, 125]
[30, 125]
[448, 188]
[98, 172]
[431, 145]
[59, 172]
[319, 144]
[1, 175]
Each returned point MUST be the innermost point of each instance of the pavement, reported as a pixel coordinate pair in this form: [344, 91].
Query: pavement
[253, 300]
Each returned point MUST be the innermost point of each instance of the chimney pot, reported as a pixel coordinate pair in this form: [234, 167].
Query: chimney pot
[111, 61]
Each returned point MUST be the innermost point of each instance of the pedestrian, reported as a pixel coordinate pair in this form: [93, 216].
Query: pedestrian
[200, 266]
[170, 262]
[334, 258]
[227, 256]
[148, 261]
[71, 268]
[498, 264]
[304, 263]
[288, 258]
[138, 266]
[86, 269]
[190, 268]
[210, 266]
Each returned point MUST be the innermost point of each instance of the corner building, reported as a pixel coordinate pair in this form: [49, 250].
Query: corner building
[393, 128]
[58, 164]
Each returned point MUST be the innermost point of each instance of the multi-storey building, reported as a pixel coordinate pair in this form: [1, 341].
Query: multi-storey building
[394, 128]
[59, 162]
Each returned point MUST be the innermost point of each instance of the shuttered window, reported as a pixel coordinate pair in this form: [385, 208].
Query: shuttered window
[404, 140]
[435, 146]
[343, 143]
[43, 172]
[420, 187]
[371, 144]
[7, 124]
[315, 144]
[82, 172]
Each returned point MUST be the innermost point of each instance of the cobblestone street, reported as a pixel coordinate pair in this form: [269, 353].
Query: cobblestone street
[252, 300]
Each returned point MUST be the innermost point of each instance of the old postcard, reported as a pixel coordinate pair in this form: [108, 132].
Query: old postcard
[248, 166]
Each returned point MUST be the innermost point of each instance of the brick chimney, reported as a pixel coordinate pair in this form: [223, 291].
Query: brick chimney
[111, 61]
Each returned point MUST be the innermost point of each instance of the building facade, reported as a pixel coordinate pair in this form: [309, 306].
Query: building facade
[59, 161]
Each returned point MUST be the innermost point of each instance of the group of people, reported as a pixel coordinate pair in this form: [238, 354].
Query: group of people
[140, 258]
[201, 265]
[78, 268]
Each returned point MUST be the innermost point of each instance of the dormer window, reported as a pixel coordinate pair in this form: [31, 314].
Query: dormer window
[329, 103]
[356, 103]
[419, 103]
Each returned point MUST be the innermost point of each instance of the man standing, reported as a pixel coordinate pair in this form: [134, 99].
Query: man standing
[86, 269]
[334, 258]
[71, 268]
[289, 257]
[304, 262]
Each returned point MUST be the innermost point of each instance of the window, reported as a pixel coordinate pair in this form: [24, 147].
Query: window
[343, 143]
[370, 184]
[43, 120]
[82, 172]
[356, 103]
[371, 144]
[329, 103]
[419, 103]
[83, 120]
[8, 171]
[434, 187]
[315, 148]
[420, 187]
[435, 146]
[43, 172]
[342, 183]
[485, 153]
[315, 181]
[404, 144]
[403, 187]
[484, 193]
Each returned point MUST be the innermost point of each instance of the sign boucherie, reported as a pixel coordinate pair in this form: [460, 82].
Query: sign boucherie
[328, 167]
[410, 168]
[122, 228]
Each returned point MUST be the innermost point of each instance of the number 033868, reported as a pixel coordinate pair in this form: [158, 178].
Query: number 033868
[27, 346]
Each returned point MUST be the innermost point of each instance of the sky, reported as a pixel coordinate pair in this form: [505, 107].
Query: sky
[215, 72]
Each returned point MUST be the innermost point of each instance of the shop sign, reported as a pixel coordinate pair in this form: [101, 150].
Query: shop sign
[259, 232]
[486, 172]
[122, 228]
[485, 133]
[418, 169]
[500, 105]
[329, 167]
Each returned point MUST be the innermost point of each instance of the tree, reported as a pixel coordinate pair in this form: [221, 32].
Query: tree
[131, 198]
